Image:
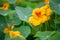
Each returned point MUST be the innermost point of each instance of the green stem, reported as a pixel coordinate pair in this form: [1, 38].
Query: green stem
[41, 27]
[46, 26]
[55, 19]
[23, 23]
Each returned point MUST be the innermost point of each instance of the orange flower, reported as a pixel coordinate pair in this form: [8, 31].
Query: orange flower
[5, 6]
[6, 30]
[40, 15]
[15, 33]
[12, 34]
[47, 9]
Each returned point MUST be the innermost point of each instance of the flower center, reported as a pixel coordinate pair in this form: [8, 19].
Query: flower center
[38, 14]
[4, 6]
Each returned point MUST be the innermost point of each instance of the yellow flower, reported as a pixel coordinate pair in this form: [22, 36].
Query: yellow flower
[6, 30]
[48, 12]
[45, 18]
[15, 33]
[38, 12]
[5, 6]
[35, 21]
[47, 9]
[38, 21]
[40, 15]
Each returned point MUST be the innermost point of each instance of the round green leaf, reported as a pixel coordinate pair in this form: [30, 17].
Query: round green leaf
[13, 19]
[23, 13]
[55, 37]
[44, 35]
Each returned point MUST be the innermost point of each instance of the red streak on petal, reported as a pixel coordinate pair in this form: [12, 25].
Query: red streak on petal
[38, 14]
[5, 6]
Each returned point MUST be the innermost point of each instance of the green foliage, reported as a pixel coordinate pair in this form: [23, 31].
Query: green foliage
[13, 19]
[23, 13]
[12, 1]
[3, 23]
[44, 35]
[4, 12]
[55, 37]
[18, 14]
[55, 6]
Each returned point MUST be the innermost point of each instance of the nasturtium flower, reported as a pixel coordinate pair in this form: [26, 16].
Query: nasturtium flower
[40, 15]
[15, 33]
[5, 6]
[6, 30]
[38, 12]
